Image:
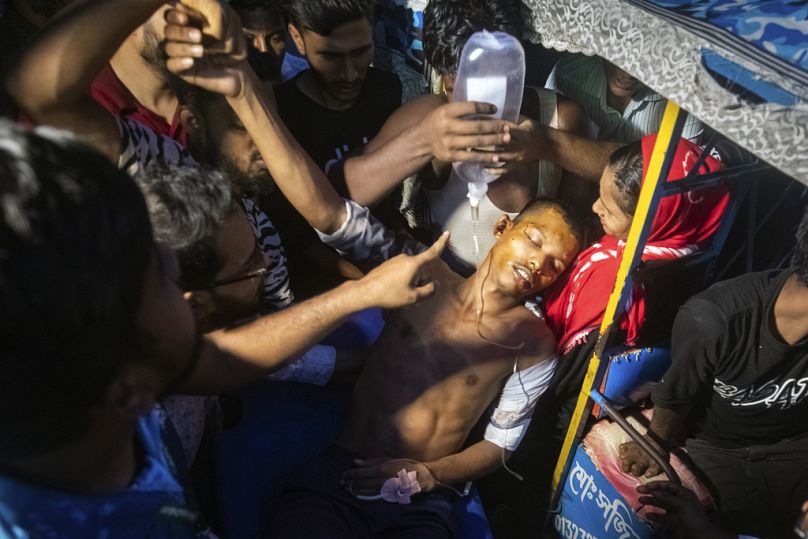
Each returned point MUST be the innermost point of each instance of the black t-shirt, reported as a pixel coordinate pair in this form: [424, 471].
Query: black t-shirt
[747, 386]
[328, 136]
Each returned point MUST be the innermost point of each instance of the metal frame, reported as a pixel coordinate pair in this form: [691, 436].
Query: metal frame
[664, 150]
[618, 418]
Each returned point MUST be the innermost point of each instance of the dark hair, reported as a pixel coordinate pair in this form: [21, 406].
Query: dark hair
[800, 259]
[569, 215]
[47, 8]
[201, 99]
[186, 206]
[249, 5]
[448, 24]
[626, 163]
[75, 242]
[323, 16]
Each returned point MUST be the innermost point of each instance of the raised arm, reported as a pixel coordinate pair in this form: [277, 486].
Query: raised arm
[51, 80]
[212, 67]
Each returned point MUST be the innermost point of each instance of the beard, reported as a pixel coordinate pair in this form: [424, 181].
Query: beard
[251, 184]
[154, 54]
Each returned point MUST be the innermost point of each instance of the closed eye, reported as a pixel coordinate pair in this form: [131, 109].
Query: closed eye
[534, 235]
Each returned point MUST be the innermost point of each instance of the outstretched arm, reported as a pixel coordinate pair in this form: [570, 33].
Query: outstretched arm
[268, 342]
[51, 81]
[576, 154]
[425, 129]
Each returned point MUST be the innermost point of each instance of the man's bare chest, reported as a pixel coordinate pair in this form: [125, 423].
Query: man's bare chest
[449, 345]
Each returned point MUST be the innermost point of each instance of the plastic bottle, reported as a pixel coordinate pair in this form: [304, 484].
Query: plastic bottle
[492, 70]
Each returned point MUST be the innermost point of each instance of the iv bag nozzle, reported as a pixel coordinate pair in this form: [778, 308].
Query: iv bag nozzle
[476, 192]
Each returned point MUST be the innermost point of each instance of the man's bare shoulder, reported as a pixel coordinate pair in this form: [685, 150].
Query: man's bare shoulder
[540, 343]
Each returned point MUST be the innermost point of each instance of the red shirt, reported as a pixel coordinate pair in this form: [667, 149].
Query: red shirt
[108, 90]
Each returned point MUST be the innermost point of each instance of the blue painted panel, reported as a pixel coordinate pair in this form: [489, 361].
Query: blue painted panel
[591, 507]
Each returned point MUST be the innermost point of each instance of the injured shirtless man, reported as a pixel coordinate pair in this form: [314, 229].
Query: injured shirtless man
[436, 367]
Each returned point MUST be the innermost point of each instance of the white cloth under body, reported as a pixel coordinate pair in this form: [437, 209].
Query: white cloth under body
[449, 207]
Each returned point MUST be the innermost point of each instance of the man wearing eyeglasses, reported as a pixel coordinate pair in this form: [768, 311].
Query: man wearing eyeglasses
[85, 451]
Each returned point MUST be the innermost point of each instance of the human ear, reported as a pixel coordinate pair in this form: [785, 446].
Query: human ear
[133, 391]
[297, 39]
[192, 122]
[503, 224]
[202, 305]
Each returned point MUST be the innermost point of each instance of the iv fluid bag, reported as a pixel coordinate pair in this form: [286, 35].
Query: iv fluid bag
[492, 70]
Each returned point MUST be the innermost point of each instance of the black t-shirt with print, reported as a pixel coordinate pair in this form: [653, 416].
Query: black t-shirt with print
[747, 386]
[328, 136]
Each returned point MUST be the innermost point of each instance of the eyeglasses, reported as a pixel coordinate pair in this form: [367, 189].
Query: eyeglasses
[222, 282]
[258, 257]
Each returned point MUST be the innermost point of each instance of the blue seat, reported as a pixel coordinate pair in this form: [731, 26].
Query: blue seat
[360, 330]
[283, 425]
[633, 371]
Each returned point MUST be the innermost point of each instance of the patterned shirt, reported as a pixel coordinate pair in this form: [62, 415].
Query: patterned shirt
[583, 79]
[363, 239]
[112, 94]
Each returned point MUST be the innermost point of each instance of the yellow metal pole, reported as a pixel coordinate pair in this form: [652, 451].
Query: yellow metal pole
[669, 131]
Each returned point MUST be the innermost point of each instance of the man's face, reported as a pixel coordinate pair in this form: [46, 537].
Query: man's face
[620, 83]
[615, 222]
[235, 246]
[264, 30]
[529, 255]
[166, 321]
[224, 143]
[339, 61]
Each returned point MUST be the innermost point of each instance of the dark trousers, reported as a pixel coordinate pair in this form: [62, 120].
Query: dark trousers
[759, 489]
[316, 506]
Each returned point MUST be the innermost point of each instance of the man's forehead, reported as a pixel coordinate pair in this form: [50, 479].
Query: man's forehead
[551, 222]
[545, 215]
[261, 20]
[344, 38]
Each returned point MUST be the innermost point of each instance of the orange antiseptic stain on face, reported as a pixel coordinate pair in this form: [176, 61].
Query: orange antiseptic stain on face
[531, 254]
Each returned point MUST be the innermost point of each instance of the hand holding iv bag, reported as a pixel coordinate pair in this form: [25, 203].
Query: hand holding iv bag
[492, 70]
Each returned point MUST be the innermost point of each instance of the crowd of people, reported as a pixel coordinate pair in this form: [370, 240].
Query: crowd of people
[185, 212]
